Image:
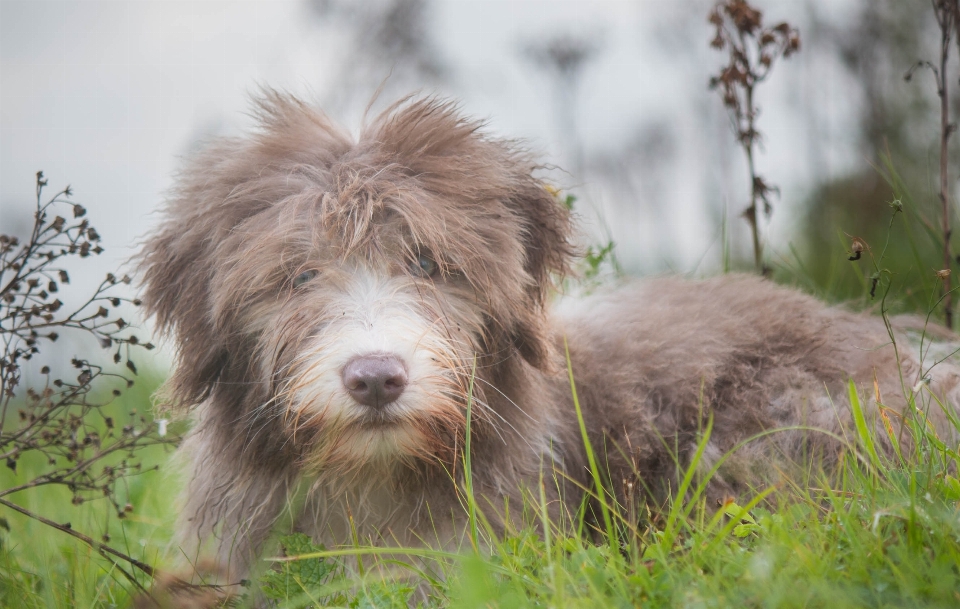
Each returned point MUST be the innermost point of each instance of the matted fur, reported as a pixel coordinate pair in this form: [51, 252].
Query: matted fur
[259, 356]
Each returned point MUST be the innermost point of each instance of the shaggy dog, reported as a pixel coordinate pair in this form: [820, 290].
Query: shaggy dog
[340, 304]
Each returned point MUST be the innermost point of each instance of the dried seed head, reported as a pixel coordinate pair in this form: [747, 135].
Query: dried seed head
[857, 245]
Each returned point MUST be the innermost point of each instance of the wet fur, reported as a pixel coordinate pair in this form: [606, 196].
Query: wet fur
[257, 359]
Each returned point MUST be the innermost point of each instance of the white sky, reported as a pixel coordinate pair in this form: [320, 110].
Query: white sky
[107, 95]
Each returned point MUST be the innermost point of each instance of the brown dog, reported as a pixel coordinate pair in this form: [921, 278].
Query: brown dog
[334, 300]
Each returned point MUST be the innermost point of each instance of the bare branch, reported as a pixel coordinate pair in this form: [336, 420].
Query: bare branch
[63, 420]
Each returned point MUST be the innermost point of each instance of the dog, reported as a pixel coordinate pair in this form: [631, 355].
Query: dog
[345, 309]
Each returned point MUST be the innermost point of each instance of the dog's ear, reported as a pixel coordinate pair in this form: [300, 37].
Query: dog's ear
[177, 273]
[220, 187]
[546, 235]
[178, 267]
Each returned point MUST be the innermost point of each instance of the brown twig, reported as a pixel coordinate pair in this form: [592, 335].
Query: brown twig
[59, 420]
[947, 14]
[101, 548]
[753, 51]
[107, 551]
[946, 18]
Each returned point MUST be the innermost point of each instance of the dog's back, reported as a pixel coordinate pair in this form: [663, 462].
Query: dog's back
[654, 359]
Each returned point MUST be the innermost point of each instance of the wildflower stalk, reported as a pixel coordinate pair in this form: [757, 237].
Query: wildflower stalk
[947, 14]
[752, 51]
[757, 186]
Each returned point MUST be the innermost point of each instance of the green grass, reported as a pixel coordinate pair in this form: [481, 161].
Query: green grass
[43, 567]
[886, 533]
[883, 535]
[880, 536]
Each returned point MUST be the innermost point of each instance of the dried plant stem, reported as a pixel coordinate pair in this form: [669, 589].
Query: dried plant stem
[751, 52]
[61, 476]
[107, 552]
[60, 419]
[947, 14]
[946, 18]
[101, 548]
[752, 212]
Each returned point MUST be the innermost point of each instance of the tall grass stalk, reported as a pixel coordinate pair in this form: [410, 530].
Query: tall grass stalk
[860, 422]
[468, 464]
[599, 487]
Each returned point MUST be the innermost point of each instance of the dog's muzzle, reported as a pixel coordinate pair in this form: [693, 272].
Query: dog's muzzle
[375, 380]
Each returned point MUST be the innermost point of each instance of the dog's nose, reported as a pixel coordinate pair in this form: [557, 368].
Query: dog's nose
[375, 380]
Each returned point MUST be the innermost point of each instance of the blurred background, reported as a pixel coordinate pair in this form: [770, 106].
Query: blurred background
[108, 96]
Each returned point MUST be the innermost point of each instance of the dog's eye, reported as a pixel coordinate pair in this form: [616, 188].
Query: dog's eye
[423, 266]
[303, 277]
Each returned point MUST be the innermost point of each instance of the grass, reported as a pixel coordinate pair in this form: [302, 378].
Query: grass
[886, 533]
[42, 567]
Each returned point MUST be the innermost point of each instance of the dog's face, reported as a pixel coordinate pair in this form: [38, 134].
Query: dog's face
[331, 299]
[367, 353]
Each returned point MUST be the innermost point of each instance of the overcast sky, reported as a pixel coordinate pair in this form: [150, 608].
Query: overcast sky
[109, 95]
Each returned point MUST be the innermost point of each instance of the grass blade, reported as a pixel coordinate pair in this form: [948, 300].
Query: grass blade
[860, 422]
[591, 456]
